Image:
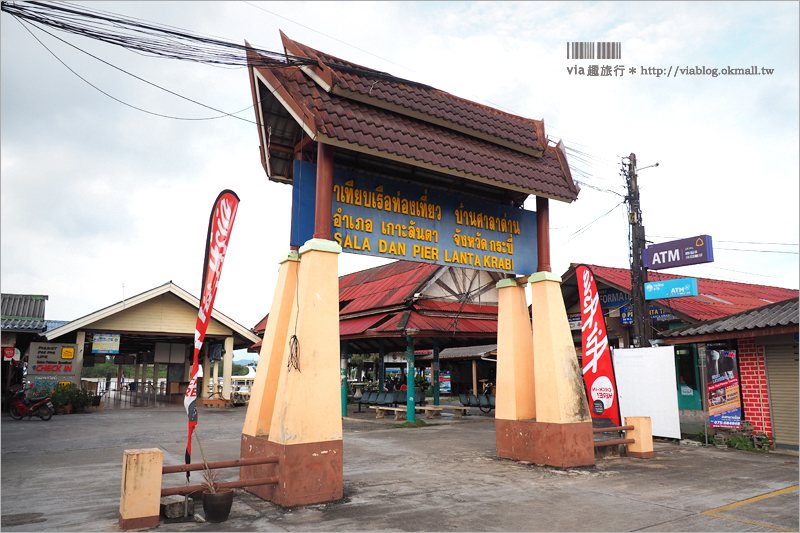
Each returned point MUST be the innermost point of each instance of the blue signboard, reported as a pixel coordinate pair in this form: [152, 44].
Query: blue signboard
[691, 251]
[397, 220]
[105, 343]
[613, 298]
[671, 288]
[656, 315]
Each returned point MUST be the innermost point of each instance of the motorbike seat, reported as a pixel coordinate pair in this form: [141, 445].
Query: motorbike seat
[37, 399]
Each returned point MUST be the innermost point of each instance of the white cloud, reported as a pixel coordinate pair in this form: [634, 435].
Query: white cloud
[95, 194]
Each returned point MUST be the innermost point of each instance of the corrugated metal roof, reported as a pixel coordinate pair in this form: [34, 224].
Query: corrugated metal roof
[357, 326]
[23, 312]
[261, 326]
[440, 325]
[435, 305]
[382, 286]
[400, 135]
[716, 298]
[769, 316]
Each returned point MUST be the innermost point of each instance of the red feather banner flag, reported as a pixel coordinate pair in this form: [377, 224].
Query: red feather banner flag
[219, 234]
[598, 368]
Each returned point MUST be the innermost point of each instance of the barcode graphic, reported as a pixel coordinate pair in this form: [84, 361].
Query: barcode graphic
[596, 50]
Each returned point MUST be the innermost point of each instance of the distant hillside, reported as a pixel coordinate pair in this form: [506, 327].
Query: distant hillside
[245, 361]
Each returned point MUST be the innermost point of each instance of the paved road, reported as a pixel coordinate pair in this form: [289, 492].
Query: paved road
[65, 475]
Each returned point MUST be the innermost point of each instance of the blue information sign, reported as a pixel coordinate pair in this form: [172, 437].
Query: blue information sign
[656, 315]
[390, 218]
[671, 288]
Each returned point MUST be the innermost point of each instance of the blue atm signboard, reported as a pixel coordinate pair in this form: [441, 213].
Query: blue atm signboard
[683, 252]
[389, 218]
[671, 288]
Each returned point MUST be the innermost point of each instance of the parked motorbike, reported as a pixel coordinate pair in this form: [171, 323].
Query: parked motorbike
[22, 406]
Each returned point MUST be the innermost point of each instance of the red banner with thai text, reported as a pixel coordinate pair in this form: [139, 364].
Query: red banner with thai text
[598, 368]
[219, 233]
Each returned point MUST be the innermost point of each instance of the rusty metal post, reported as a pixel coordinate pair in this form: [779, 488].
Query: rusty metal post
[324, 199]
[543, 234]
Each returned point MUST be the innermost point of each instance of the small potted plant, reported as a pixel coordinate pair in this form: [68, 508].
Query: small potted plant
[217, 501]
[59, 398]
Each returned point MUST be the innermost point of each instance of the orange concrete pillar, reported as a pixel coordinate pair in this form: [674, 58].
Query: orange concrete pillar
[642, 433]
[262, 396]
[562, 434]
[515, 394]
[261, 407]
[139, 504]
[306, 427]
[516, 402]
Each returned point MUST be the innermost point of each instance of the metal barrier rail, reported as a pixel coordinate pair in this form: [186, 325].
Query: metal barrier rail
[188, 489]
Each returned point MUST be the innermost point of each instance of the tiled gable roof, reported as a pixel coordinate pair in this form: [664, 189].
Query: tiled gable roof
[383, 90]
[422, 127]
[716, 298]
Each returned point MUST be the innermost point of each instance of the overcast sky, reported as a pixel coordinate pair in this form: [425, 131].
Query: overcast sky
[96, 194]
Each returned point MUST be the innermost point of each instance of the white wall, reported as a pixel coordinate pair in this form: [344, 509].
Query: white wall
[647, 387]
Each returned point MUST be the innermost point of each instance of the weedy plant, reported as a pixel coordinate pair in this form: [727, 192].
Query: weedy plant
[210, 480]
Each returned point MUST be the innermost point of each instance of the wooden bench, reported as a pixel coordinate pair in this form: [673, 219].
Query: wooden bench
[458, 411]
[381, 411]
[430, 412]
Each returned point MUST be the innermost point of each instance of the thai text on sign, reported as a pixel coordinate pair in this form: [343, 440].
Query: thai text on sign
[388, 218]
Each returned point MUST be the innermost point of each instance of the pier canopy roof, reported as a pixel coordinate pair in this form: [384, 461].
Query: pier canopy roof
[457, 306]
[390, 125]
[166, 313]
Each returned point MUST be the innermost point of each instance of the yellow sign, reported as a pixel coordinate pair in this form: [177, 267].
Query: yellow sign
[67, 353]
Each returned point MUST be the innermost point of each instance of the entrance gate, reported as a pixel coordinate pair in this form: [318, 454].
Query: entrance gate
[397, 169]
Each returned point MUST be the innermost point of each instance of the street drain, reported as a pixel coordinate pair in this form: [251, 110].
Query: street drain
[12, 520]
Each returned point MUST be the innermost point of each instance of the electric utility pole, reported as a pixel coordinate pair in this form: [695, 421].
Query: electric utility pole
[641, 311]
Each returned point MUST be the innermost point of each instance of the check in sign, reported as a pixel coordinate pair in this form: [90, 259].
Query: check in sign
[673, 288]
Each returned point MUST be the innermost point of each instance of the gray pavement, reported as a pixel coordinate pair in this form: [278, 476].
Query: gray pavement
[65, 475]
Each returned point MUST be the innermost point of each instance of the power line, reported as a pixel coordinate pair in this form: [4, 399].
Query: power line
[586, 227]
[144, 37]
[328, 36]
[738, 242]
[110, 96]
[741, 272]
[224, 114]
[762, 251]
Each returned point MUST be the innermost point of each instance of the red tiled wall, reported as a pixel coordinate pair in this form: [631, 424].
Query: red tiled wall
[755, 395]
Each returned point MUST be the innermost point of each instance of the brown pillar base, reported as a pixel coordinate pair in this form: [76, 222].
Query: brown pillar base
[308, 473]
[126, 524]
[544, 443]
[641, 455]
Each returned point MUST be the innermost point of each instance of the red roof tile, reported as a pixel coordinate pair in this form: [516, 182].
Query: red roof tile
[383, 90]
[393, 134]
[716, 298]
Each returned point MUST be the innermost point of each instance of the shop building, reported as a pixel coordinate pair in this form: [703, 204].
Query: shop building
[22, 323]
[766, 343]
[716, 299]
